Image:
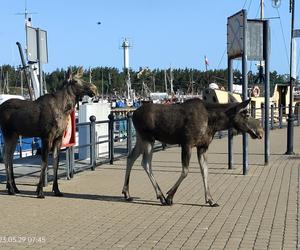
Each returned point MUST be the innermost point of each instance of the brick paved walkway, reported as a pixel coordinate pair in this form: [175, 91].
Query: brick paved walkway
[256, 211]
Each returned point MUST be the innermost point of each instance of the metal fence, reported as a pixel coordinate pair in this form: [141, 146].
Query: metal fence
[278, 115]
[120, 138]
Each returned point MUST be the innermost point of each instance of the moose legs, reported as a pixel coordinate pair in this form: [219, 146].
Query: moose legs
[134, 154]
[55, 154]
[9, 148]
[45, 152]
[185, 159]
[147, 165]
[202, 159]
[146, 148]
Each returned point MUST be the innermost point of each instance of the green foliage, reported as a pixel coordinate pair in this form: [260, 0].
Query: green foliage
[55, 79]
[111, 80]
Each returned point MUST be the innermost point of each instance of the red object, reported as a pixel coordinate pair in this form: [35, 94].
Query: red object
[69, 137]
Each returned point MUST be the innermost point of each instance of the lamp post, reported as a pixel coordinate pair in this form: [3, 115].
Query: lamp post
[291, 118]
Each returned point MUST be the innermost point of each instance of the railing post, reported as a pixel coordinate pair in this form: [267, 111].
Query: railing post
[46, 177]
[129, 134]
[253, 113]
[220, 134]
[93, 142]
[20, 146]
[280, 115]
[71, 159]
[263, 115]
[272, 116]
[111, 138]
[68, 164]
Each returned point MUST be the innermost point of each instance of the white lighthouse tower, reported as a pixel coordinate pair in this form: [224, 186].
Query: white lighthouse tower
[126, 46]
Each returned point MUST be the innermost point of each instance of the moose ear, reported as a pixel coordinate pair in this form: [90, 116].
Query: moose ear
[79, 73]
[69, 74]
[244, 104]
[233, 110]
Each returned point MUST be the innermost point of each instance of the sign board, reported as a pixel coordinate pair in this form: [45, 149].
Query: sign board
[35, 36]
[43, 45]
[31, 44]
[255, 40]
[235, 35]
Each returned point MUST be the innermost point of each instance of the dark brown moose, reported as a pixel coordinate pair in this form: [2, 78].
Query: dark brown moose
[46, 118]
[190, 124]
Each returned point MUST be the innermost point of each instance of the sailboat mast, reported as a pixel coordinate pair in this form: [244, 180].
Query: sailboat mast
[166, 83]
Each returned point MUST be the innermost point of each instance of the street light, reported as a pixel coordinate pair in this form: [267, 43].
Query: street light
[291, 118]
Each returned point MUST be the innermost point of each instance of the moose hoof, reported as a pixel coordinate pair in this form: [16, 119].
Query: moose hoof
[212, 203]
[58, 193]
[40, 196]
[11, 192]
[127, 196]
[129, 199]
[169, 200]
[163, 200]
[16, 190]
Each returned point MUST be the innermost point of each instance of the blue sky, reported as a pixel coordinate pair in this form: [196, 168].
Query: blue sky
[163, 33]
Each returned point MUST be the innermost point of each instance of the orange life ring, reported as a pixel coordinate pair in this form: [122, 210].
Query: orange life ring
[255, 91]
[68, 132]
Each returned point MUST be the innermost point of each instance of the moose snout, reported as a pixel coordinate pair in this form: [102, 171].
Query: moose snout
[93, 91]
[260, 134]
[257, 133]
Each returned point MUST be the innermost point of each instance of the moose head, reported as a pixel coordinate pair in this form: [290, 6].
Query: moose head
[80, 86]
[243, 122]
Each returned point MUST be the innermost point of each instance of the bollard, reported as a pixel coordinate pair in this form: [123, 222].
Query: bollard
[129, 132]
[272, 116]
[93, 142]
[111, 138]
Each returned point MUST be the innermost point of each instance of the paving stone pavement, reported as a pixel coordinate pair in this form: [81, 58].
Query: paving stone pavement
[257, 211]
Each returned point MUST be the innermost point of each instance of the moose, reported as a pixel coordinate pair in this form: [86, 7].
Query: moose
[46, 117]
[189, 124]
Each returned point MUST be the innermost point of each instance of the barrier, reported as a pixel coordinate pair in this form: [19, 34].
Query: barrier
[120, 147]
